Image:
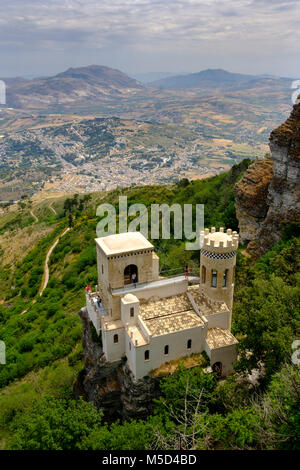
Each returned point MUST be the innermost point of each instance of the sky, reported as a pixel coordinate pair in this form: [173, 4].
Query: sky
[40, 37]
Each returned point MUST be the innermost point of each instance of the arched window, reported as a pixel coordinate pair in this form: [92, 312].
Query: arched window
[147, 355]
[130, 274]
[116, 339]
[189, 344]
[131, 311]
[166, 349]
[214, 275]
[203, 275]
[225, 275]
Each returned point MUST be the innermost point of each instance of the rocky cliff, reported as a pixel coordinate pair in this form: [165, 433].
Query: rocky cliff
[268, 195]
[111, 386]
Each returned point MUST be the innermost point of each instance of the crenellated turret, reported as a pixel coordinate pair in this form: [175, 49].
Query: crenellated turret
[217, 264]
[220, 242]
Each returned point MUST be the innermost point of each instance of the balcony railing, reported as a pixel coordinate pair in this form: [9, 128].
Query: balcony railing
[92, 299]
[151, 284]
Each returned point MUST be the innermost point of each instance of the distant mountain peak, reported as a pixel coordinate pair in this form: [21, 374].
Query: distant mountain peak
[101, 72]
[76, 85]
[208, 78]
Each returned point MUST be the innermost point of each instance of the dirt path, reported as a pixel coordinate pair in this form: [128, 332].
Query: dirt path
[46, 270]
[26, 310]
[52, 208]
[34, 216]
[46, 267]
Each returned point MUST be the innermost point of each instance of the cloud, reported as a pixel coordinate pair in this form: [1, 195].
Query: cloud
[93, 28]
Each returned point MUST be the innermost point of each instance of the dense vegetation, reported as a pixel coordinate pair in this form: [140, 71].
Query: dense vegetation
[44, 352]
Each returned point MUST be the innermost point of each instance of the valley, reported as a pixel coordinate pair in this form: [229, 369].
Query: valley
[99, 129]
[43, 334]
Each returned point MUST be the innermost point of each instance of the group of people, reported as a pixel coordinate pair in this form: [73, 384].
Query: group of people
[99, 300]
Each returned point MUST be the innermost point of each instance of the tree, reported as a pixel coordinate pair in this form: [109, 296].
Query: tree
[54, 424]
[267, 315]
[279, 411]
[132, 435]
[185, 384]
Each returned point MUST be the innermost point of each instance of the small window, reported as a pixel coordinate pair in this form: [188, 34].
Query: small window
[147, 355]
[116, 338]
[203, 275]
[132, 312]
[189, 343]
[129, 346]
[102, 269]
[166, 349]
[213, 278]
[224, 283]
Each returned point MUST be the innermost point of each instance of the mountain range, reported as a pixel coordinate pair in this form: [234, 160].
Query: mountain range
[99, 85]
[209, 78]
[60, 128]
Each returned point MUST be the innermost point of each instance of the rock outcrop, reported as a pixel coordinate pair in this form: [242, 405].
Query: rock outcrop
[111, 385]
[268, 195]
[252, 198]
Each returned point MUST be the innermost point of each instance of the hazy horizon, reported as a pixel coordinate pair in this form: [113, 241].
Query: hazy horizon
[158, 74]
[39, 38]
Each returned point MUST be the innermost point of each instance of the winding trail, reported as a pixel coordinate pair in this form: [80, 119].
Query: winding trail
[52, 208]
[46, 270]
[46, 267]
[34, 216]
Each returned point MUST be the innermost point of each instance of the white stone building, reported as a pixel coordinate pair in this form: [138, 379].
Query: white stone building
[158, 319]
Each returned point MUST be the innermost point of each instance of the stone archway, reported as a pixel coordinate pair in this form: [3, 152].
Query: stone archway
[128, 272]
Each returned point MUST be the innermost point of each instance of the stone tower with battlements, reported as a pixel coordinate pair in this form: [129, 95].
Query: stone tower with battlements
[217, 265]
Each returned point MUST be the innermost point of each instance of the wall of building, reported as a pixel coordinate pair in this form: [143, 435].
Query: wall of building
[130, 353]
[155, 264]
[219, 293]
[102, 268]
[227, 355]
[177, 343]
[113, 351]
[125, 312]
[117, 264]
[144, 329]
[111, 275]
[219, 320]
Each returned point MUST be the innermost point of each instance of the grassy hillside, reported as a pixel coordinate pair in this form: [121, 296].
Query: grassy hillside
[43, 334]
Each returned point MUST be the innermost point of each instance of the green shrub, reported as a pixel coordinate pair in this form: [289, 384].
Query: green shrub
[54, 424]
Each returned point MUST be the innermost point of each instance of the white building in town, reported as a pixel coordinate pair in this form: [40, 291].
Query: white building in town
[152, 319]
